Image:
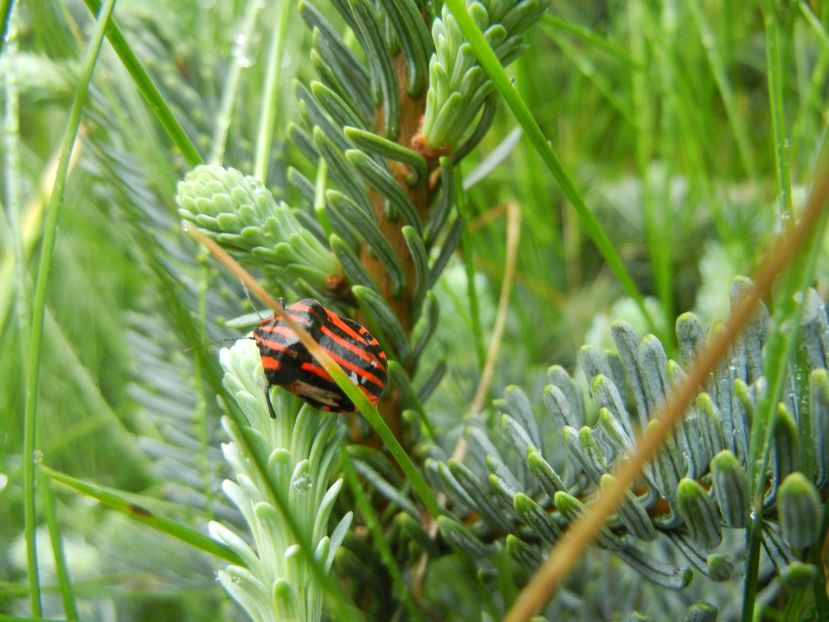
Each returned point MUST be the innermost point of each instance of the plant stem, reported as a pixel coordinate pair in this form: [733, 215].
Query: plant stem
[645, 120]
[64, 580]
[714, 57]
[12, 176]
[149, 90]
[490, 63]
[778, 114]
[411, 111]
[241, 60]
[39, 302]
[118, 501]
[273, 80]
[379, 537]
[755, 536]
[201, 416]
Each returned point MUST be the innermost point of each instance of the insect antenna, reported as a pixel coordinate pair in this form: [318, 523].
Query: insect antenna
[214, 341]
[253, 304]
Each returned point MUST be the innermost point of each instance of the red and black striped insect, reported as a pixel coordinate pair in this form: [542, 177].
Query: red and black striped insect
[288, 363]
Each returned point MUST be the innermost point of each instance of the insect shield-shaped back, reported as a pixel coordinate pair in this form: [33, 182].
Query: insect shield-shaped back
[288, 363]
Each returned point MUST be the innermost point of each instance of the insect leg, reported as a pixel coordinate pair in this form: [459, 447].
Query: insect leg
[268, 400]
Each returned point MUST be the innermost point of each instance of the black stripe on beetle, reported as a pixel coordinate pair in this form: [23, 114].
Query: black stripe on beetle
[288, 363]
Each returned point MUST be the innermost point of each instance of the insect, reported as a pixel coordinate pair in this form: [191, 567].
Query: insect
[288, 363]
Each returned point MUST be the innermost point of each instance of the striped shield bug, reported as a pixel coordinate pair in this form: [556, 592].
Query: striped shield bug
[288, 363]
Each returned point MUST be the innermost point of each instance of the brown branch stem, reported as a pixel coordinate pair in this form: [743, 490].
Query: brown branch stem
[411, 112]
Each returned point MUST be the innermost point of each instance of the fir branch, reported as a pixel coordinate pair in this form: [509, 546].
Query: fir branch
[458, 87]
[692, 489]
[272, 581]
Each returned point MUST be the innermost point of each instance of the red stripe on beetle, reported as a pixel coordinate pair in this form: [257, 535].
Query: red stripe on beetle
[271, 364]
[317, 371]
[348, 345]
[337, 321]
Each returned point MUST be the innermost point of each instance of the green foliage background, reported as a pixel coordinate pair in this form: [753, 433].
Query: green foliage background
[691, 130]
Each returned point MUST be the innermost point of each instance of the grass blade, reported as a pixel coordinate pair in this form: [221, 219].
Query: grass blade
[775, 77]
[39, 300]
[489, 61]
[64, 581]
[118, 501]
[379, 537]
[149, 90]
[273, 79]
[231, 87]
[553, 22]
[720, 73]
